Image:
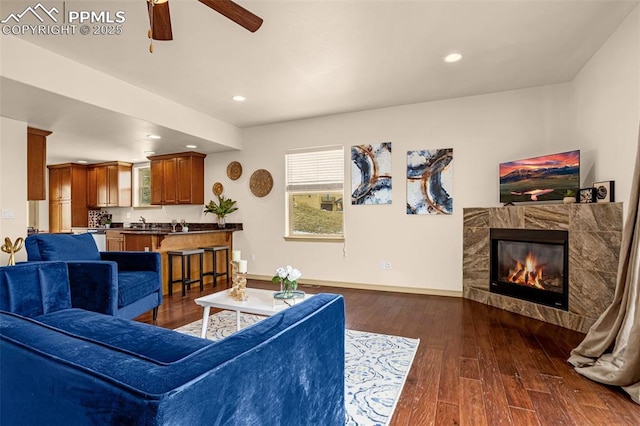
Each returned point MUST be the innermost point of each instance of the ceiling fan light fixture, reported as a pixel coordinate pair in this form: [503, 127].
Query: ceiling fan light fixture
[453, 57]
[239, 98]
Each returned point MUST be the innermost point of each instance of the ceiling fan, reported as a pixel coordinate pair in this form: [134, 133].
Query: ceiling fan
[160, 20]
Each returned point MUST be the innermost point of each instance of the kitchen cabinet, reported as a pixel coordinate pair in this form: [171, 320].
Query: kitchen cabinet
[177, 178]
[36, 163]
[114, 240]
[109, 184]
[67, 197]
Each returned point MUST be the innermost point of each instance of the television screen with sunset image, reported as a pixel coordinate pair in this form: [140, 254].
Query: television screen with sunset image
[545, 178]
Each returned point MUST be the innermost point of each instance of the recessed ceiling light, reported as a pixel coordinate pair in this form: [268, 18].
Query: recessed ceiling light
[452, 57]
[82, 161]
[239, 98]
[191, 146]
[154, 137]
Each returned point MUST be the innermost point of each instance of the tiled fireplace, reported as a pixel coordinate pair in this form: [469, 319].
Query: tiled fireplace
[556, 263]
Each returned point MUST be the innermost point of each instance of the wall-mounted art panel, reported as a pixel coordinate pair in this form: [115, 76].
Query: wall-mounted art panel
[430, 181]
[371, 174]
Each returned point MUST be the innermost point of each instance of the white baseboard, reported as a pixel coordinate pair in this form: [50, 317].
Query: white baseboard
[363, 286]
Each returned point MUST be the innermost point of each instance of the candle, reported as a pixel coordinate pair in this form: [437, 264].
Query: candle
[235, 255]
[242, 266]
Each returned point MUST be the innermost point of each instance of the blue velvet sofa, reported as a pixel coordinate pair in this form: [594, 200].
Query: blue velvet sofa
[67, 366]
[123, 284]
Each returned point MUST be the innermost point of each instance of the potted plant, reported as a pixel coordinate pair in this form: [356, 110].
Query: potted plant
[185, 225]
[569, 197]
[106, 222]
[223, 207]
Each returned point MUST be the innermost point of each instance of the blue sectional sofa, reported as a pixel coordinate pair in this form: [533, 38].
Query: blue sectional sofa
[123, 284]
[67, 366]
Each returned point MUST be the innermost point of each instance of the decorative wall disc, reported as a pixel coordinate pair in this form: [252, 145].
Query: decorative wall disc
[217, 188]
[234, 170]
[261, 183]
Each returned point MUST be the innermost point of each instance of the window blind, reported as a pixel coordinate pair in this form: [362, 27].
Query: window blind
[317, 170]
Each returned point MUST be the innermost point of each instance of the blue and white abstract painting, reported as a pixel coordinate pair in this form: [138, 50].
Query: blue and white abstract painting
[430, 181]
[371, 174]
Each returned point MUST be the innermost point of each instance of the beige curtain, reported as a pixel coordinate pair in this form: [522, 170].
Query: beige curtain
[610, 352]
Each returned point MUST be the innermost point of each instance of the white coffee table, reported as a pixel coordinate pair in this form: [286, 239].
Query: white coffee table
[261, 302]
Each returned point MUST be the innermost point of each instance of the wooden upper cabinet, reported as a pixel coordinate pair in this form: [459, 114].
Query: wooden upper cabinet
[109, 184]
[157, 181]
[177, 178]
[67, 197]
[36, 163]
[170, 191]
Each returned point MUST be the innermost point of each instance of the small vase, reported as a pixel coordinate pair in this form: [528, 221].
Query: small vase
[221, 222]
[185, 229]
[569, 200]
[287, 288]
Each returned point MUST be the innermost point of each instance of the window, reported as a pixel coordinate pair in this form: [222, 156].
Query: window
[142, 185]
[315, 181]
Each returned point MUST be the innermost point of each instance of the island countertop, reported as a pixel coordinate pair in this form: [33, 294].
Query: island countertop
[162, 240]
[169, 232]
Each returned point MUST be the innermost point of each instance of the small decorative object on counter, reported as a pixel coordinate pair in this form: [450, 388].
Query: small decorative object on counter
[569, 197]
[239, 280]
[288, 277]
[223, 207]
[605, 191]
[588, 195]
[12, 248]
[185, 225]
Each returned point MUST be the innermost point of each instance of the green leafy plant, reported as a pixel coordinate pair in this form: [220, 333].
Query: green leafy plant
[223, 207]
[569, 193]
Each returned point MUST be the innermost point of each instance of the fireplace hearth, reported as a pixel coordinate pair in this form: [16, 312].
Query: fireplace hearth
[531, 265]
[595, 232]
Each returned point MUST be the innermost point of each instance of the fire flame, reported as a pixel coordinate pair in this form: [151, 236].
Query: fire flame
[528, 274]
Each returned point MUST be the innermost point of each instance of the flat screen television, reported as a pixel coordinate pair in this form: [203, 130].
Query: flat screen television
[545, 178]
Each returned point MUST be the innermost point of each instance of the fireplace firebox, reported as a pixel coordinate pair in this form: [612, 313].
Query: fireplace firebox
[532, 265]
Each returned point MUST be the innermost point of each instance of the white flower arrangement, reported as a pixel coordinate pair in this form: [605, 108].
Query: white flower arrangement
[287, 275]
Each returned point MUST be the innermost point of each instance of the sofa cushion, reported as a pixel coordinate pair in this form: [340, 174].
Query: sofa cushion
[35, 288]
[62, 247]
[133, 286]
[156, 344]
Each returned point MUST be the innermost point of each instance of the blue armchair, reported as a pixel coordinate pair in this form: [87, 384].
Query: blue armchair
[122, 284]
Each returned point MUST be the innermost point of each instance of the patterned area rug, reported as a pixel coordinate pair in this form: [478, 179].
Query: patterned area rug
[376, 366]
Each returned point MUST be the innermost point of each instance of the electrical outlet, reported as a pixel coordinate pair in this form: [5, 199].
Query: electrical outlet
[383, 264]
[253, 257]
[128, 215]
[8, 214]
[388, 266]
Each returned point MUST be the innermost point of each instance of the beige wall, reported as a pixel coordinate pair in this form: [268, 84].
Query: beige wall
[13, 183]
[425, 251]
[606, 107]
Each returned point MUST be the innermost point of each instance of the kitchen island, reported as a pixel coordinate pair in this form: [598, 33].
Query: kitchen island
[164, 240]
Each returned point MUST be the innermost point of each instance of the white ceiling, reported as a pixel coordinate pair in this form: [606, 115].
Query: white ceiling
[314, 58]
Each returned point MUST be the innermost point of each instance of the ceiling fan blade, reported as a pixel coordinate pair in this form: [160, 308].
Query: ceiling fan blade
[161, 20]
[236, 13]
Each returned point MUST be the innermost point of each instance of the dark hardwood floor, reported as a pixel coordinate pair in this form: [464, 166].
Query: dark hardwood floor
[475, 365]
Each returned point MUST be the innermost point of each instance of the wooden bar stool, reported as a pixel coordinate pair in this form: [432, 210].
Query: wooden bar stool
[185, 256]
[214, 272]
